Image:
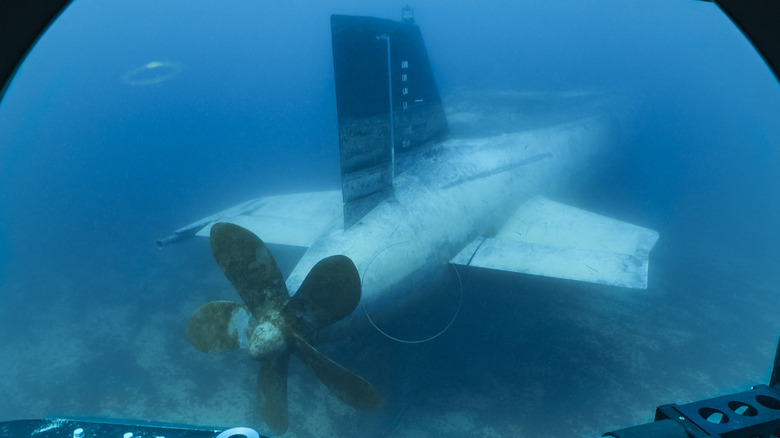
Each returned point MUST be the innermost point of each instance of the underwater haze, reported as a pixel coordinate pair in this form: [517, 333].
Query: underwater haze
[129, 120]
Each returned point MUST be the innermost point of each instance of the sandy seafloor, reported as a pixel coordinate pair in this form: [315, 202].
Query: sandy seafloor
[525, 357]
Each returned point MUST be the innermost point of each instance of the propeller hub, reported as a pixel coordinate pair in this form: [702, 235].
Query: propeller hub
[267, 341]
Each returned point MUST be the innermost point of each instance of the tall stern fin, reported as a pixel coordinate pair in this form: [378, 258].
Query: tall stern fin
[387, 103]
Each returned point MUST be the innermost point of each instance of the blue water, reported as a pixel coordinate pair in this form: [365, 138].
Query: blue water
[94, 168]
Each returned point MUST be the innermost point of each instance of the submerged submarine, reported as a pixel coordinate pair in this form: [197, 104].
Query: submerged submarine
[752, 413]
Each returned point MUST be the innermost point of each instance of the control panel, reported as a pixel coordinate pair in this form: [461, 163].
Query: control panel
[92, 428]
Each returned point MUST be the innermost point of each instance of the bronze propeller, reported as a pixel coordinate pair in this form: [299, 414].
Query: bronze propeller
[272, 326]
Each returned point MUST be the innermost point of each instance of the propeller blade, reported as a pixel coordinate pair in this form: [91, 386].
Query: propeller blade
[348, 386]
[329, 292]
[250, 267]
[220, 326]
[272, 393]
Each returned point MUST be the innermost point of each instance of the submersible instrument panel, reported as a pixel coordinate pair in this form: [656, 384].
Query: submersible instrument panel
[748, 414]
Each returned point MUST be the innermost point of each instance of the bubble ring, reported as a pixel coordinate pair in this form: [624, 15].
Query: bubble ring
[151, 73]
